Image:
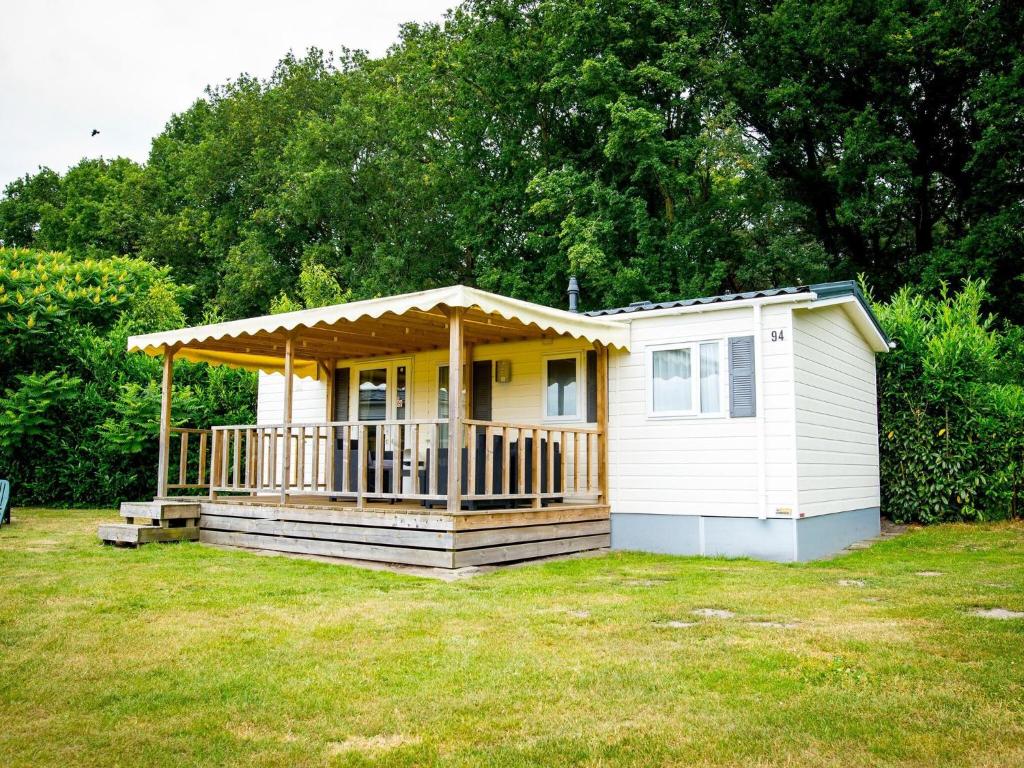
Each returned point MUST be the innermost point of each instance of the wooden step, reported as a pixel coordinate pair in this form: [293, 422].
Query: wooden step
[129, 535]
[159, 512]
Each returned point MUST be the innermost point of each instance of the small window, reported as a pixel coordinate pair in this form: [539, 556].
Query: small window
[686, 380]
[710, 380]
[373, 394]
[673, 388]
[561, 388]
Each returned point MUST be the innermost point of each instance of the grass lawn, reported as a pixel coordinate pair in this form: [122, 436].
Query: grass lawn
[184, 654]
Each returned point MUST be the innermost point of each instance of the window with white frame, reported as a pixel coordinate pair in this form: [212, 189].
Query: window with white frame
[686, 379]
[562, 388]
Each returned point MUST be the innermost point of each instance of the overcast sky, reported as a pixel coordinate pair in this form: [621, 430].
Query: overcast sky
[123, 67]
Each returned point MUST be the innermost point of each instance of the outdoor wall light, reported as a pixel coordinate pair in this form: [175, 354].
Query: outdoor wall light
[503, 371]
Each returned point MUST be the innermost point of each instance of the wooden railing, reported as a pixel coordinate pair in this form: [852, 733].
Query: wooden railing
[392, 460]
[563, 457]
[328, 458]
[188, 463]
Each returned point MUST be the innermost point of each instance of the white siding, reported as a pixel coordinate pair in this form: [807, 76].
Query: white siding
[309, 399]
[309, 404]
[836, 416]
[702, 465]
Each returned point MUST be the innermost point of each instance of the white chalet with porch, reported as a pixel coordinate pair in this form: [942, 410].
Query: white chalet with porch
[455, 427]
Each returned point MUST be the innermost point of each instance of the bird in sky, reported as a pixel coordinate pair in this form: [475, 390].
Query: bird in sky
[94, 132]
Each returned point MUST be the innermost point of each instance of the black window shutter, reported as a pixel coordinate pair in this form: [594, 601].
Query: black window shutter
[591, 386]
[742, 390]
[341, 385]
[483, 381]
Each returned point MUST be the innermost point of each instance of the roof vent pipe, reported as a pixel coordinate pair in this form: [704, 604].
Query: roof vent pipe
[574, 294]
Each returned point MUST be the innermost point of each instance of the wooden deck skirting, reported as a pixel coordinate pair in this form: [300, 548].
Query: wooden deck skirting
[405, 535]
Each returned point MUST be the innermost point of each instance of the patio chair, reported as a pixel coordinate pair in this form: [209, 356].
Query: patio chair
[387, 459]
[497, 466]
[5, 502]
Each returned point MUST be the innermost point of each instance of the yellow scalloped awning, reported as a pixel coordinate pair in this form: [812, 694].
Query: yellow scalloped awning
[376, 327]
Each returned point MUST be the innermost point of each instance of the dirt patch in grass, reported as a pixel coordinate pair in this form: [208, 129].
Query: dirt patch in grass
[852, 583]
[889, 528]
[997, 613]
[713, 613]
[645, 582]
[379, 743]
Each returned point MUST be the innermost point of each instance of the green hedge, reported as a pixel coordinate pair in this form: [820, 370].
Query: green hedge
[78, 414]
[951, 409]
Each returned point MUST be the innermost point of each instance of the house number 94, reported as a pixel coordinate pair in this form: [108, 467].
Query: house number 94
[778, 335]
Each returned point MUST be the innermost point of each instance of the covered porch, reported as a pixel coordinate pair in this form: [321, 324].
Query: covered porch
[383, 475]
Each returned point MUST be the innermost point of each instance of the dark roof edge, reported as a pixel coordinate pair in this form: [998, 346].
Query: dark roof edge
[832, 290]
[850, 288]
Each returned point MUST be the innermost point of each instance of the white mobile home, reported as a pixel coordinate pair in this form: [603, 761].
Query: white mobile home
[774, 451]
[456, 427]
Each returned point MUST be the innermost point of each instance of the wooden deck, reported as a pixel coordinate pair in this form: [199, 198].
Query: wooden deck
[402, 533]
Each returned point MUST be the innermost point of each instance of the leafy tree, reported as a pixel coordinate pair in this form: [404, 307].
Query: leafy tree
[284, 303]
[27, 205]
[317, 287]
[97, 208]
[896, 126]
[215, 173]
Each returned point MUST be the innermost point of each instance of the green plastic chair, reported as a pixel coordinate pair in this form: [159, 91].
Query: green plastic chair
[5, 502]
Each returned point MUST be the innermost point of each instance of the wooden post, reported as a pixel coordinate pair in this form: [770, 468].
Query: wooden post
[602, 422]
[163, 462]
[286, 411]
[214, 461]
[183, 459]
[202, 458]
[362, 460]
[455, 353]
[329, 441]
[536, 489]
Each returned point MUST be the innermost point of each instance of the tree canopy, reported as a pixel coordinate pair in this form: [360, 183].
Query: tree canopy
[656, 149]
